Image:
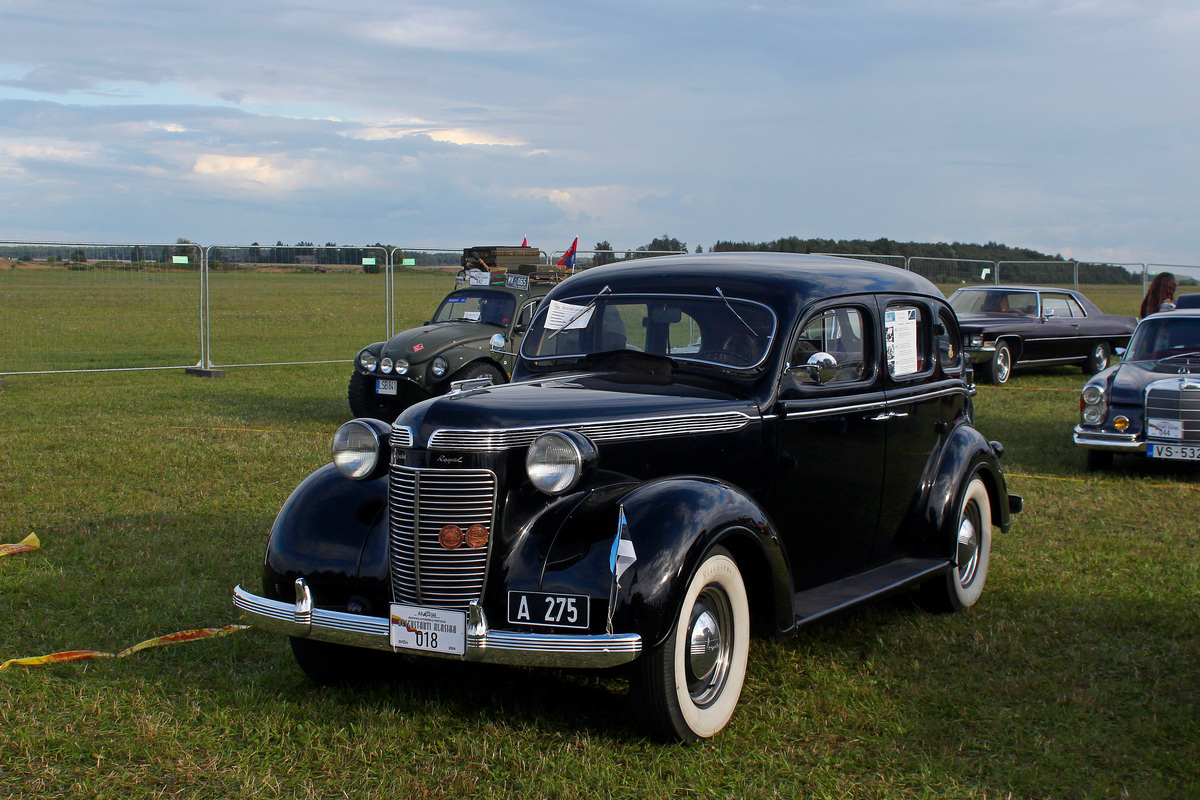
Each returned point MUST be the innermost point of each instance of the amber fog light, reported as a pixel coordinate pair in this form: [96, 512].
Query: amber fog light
[450, 537]
[477, 535]
[1121, 423]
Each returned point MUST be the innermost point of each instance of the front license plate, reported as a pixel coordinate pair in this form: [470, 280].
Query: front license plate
[1178, 452]
[385, 387]
[432, 630]
[549, 610]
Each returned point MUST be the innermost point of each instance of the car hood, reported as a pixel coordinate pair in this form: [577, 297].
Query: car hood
[1127, 385]
[423, 343]
[572, 401]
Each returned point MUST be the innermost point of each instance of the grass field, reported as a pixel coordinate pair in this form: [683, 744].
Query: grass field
[1075, 677]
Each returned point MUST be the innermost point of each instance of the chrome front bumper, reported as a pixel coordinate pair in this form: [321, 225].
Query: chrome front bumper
[483, 645]
[1113, 442]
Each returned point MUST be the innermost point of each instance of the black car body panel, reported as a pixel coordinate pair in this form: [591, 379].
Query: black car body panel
[826, 479]
[1005, 327]
[1149, 403]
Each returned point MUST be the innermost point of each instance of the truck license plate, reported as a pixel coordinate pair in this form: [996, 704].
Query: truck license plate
[548, 610]
[1178, 452]
[385, 386]
[432, 630]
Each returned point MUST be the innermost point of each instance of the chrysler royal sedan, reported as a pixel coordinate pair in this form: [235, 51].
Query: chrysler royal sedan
[1007, 326]
[1149, 403]
[474, 333]
[691, 447]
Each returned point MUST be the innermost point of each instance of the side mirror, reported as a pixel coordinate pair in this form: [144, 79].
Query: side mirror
[821, 367]
[1048, 313]
[497, 343]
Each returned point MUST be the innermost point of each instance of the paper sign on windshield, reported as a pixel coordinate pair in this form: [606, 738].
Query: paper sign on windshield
[560, 316]
[900, 338]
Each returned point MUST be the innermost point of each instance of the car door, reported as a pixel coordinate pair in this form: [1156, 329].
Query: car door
[917, 390]
[825, 485]
[1053, 336]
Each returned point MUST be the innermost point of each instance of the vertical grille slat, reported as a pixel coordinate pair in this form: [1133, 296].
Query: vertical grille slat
[421, 502]
[1175, 402]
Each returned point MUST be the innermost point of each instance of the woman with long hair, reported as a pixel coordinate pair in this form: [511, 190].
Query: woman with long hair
[1161, 294]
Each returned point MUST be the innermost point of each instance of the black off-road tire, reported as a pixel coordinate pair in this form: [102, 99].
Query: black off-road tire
[365, 403]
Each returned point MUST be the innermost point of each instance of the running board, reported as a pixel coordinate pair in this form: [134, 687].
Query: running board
[814, 604]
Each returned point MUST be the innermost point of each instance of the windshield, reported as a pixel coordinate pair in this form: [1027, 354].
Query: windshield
[994, 301]
[713, 330]
[475, 305]
[1156, 339]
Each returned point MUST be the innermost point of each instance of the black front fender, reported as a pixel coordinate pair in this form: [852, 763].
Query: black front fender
[333, 532]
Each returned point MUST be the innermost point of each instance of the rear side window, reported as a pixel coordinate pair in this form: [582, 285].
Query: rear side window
[949, 351]
[905, 330]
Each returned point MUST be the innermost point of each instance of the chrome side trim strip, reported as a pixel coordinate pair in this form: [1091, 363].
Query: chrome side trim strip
[584, 651]
[600, 431]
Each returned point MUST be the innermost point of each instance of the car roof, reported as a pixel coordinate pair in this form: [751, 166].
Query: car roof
[1013, 287]
[774, 279]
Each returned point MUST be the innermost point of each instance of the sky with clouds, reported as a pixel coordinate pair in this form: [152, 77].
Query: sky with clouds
[1065, 126]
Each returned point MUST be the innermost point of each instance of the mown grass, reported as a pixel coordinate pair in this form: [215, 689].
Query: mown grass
[152, 494]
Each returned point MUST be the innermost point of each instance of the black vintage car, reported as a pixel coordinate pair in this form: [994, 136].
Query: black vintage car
[1149, 403]
[473, 334]
[690, 446]
[1007, 326]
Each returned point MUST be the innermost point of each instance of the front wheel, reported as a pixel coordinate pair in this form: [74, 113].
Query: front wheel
[330, 664]
[1099, 460]
[962, 586]
[1097, 359]
[687, 687]
[365, 403]
[1001, 366]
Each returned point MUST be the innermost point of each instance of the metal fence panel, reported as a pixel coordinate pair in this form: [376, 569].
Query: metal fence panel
[98, 307]
[954, 271]
[293, 304]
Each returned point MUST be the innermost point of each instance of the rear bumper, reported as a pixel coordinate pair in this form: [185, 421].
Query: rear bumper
[483, 645]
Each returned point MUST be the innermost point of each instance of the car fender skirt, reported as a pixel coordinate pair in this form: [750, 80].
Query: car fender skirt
[672, 523]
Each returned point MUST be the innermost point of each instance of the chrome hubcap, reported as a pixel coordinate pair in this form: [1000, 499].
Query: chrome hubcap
[968, 548]
[709, 637]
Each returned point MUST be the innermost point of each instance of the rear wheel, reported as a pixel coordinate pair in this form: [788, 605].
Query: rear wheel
[687, 687]
[962, 586]
[365, 403]
[1097, 359]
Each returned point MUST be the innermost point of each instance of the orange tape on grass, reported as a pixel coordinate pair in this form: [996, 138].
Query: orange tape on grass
[30, 542]
[159, 641]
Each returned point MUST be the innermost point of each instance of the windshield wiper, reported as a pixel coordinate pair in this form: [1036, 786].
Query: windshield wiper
[735, 313]
[580, 313]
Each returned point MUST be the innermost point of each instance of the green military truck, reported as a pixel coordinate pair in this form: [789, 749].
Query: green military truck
[475, 333]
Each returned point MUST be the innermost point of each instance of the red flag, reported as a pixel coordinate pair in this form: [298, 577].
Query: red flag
[524, 241]
[568, 259]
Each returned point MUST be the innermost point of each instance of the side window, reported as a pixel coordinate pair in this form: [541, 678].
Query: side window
[527, 314]
[949, 353]
[840, 332]
[1057, 305]
[904, 340]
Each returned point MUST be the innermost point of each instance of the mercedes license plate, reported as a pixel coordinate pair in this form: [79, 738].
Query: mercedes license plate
[549, 610]
[432, 630]
[1178, 452]
[385, 386]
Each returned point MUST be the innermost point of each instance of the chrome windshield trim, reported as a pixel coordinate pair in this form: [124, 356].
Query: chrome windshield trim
[493, 439]
[583, 651]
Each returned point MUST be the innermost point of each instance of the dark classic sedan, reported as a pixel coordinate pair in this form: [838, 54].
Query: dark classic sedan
[1007, 326]
[691, 447]
[1149, 403]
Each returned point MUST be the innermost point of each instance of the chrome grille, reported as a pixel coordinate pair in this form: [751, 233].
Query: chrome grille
[607, 431]
[421, 503]
[1176, 399]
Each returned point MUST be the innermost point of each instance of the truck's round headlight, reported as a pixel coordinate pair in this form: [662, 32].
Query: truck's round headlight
[438, 367]
[401, 366]
[385, 366]
[367, 360]
[556, 461]
[361, 449]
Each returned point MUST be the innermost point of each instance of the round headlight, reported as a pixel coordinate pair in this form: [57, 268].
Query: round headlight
[1093, 415]
[367, 360]
[438, 367]
[360, 449]
[401, 366]
[1092, 395]
[385, 366]
[556, 461]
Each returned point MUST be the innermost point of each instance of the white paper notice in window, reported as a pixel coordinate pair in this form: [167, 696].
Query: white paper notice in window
[900, 338]
[566, 316]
